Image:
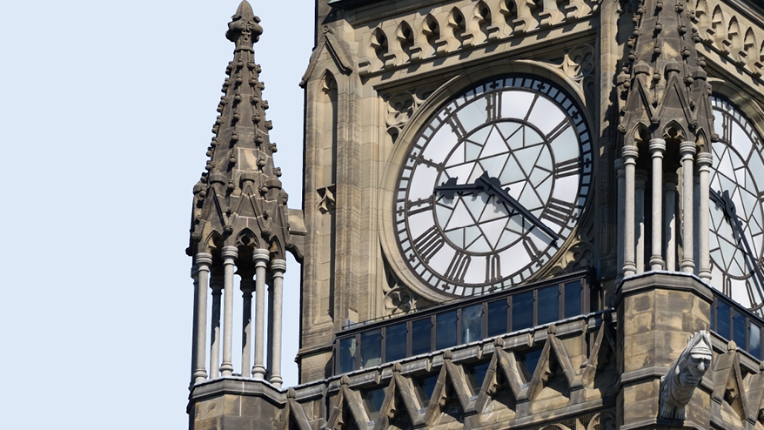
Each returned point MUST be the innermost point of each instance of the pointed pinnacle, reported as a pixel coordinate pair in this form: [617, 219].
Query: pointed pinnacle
[244, 29]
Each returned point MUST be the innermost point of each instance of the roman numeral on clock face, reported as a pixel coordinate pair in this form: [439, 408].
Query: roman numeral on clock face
[493, 106]
[558, 212]
[428, 243]
[456, 126]
[567, 168]
[458, 267]
[493, 268]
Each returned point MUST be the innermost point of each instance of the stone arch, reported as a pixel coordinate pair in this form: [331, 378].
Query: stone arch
[430, 32]
[276, 248]
[674, 131]
[247, 239]
[718, 28]
[405, 36]
[378, 45]
[483, 17]
[458, 24]
[750, 49]
[702, 18]
[735, 39]
[508, 8]
[702, 141]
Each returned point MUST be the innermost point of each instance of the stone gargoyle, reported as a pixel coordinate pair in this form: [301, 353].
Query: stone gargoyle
[684, 376]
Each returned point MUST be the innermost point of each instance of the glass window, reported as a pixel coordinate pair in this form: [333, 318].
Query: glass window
[713, 317]
[738, 329]
[445, 330]
[373, 399]
[476, 375]
[528, 363]
[548, 304]
[472, 323]
[572, 299]
[424, 388]
[395, 342]
[371, 348]
[723, 320]
[421, 331]
[522, 311]
[497, 317]
[347, 354]
[754, 341]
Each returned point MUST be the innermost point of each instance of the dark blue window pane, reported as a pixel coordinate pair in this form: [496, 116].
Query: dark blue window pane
[472, 323]
[424, 389]
[476, 375]
[572, 299]
[522, 311]
[529, 361]
[445, 330]
[420, 336]
[723, 320]
[373, 399]
[371, 348]
[497, 318]
[738, 328]
[754, 341]
[395, 342]
[548, 304]
[347, 354]
[713, 317]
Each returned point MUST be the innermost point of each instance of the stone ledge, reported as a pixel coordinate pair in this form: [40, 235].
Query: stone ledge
[653, 423]
[238, 386]
[655, 372]
[662, 280]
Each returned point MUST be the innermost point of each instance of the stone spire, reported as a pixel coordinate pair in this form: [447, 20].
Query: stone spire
[239, 198]
[664, 92]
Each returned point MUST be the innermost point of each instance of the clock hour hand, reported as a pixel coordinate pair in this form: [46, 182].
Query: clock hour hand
[492, 186]
[449, 188]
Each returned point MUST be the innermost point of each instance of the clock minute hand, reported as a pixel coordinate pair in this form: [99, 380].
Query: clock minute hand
[491, 186]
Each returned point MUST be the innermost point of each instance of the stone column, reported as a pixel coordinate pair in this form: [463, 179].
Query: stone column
[620, 217]
[657, 147]
[630, 154]
[687, 153]
[669, 194]
[260, 257]
[203, 262]
[247, 286]
[704, 259]
[229, 255]
[278, 267]
[639, 214]
[216, 283]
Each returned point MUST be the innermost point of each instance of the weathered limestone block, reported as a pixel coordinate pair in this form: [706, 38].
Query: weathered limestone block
[684, 375]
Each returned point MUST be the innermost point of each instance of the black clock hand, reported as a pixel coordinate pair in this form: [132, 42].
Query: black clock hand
[730, 212]
[492, 187]
[449, 188]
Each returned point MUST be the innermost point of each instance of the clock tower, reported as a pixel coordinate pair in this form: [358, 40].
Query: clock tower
[516, 213]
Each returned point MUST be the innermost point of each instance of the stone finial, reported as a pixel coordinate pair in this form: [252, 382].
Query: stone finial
[244, 29]
[684, 376]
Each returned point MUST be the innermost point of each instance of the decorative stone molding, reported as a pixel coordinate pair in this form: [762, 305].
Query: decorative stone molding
[684, 376]
[401, 107]
[399, 299]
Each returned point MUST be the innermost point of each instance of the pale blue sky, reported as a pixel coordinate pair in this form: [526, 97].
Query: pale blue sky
[106, 110]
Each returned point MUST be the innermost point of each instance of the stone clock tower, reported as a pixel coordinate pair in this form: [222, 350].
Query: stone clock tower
[516, 213]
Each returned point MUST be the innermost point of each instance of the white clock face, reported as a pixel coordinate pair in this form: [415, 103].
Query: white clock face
[737, 189]
[492, 186]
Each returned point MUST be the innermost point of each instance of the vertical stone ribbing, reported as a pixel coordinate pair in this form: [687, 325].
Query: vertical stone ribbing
[203, 262]
[704, 259]
[669, 190]
[657, 147]
[260, 258]
[630, 154]
[247, 287]
[687, 153]
[640, 230]
[278, 267]
[620, 175]
[229, 255]
[216, 283]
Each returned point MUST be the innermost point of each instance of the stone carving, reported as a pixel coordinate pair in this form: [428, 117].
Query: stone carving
[399, 299]
[401, 107]
[684, 376]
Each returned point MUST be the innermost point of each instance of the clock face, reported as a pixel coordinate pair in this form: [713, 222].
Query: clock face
[737, 189]
[492, 186]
